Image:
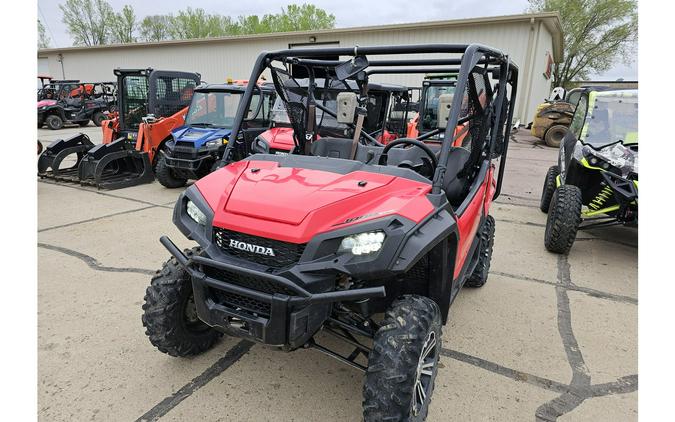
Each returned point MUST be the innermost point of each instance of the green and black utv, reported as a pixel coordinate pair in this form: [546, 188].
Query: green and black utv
[595, 183]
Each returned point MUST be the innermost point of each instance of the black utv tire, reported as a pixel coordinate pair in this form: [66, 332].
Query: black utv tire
[554, 135]
[564, 217]
[169, 314]
[479, 276]
[401, 347]
[549, 188]
[165, 175]
[83, 123]
[98, 118]
[54, 122]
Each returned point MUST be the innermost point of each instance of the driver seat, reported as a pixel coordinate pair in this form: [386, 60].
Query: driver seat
[456, 187]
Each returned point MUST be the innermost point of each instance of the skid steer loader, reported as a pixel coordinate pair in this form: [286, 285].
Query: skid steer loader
[151, 103]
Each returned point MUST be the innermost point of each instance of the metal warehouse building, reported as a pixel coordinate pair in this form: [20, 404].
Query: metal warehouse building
[533, 41]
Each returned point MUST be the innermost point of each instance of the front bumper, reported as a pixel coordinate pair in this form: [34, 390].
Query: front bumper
[287, 319]
[185, 163]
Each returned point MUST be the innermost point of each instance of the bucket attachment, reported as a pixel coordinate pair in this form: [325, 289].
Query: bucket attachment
[49, 162]
[115, 166]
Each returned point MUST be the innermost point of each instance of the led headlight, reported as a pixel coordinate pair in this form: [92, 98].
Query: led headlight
[216, 142]
[196, 214]
[362, 243]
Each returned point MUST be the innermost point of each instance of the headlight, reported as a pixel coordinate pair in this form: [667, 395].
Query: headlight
[196, 214]
[362, 243]
[216, 142]
[617, 155]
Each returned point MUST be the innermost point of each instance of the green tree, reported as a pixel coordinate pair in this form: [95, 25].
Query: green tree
[87, 21]
[43, 39]
[300, 18]
[123, 26]
[156, 28]
[596, 34]
[196, 23]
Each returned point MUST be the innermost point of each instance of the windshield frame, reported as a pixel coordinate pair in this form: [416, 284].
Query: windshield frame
[593, 99]
[220, 103]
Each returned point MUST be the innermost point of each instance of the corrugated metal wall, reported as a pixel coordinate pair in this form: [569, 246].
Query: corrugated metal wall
[217, 61]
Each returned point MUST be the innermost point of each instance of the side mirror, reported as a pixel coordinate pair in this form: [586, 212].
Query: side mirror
[351, 67]
[443, 112]
[346, 107]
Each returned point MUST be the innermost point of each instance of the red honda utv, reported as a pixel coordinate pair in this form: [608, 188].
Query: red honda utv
[367, 243]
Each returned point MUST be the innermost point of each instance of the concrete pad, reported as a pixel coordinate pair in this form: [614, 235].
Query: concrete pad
[150, 192]
[47, 136]
[128, 240]
[58, 205]
[511, 322]
[616, 408]
[466, 393]
[268, 384]
[519, 250]
[605, 266]
[94, 361]
[528, 216]
[607, 333]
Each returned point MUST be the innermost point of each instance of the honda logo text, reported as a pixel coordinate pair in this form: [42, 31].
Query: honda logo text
[247, 247]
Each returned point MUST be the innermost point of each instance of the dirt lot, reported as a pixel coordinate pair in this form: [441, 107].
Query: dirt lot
[548, 338]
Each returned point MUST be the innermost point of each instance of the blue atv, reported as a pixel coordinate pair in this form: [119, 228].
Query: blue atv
[196, 147]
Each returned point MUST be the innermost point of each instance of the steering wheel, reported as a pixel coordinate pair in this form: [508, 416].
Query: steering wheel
[409, 141]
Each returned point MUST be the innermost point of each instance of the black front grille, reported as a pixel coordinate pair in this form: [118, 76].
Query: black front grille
[235, 301]
[188, 151]
[269, 252]
[250, 282]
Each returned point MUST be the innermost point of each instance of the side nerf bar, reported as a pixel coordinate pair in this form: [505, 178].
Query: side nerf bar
[304, 297]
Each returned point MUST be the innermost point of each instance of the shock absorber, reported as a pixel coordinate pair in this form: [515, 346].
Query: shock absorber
[601, 198]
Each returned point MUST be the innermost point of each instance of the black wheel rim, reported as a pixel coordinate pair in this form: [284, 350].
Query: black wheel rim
[558, 135]
[426, 367]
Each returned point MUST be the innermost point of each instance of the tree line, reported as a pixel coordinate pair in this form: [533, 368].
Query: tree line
[95, 22]
[596, 32]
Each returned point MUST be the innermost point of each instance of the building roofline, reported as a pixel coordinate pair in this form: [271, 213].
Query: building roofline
[550, 19]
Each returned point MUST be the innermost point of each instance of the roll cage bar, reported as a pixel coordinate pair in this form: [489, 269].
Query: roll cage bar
[472, 55]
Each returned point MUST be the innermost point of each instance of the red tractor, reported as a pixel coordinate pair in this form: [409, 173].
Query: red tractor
[367, 243]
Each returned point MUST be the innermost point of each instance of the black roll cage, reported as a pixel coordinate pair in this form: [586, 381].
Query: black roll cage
[471, 56]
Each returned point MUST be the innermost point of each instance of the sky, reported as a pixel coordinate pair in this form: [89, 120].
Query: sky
[347, 13]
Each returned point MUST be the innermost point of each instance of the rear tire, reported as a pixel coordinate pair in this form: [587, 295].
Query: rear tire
[554, 135]
[169, 314]
[98, 118]
[165, 175]
[564, 217]
[54, 122]
[487, 239]
[549, 188]
[404, 359]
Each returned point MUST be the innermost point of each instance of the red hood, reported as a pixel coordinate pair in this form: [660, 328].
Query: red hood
[279, 138]
[294, 204]
[43, 103]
